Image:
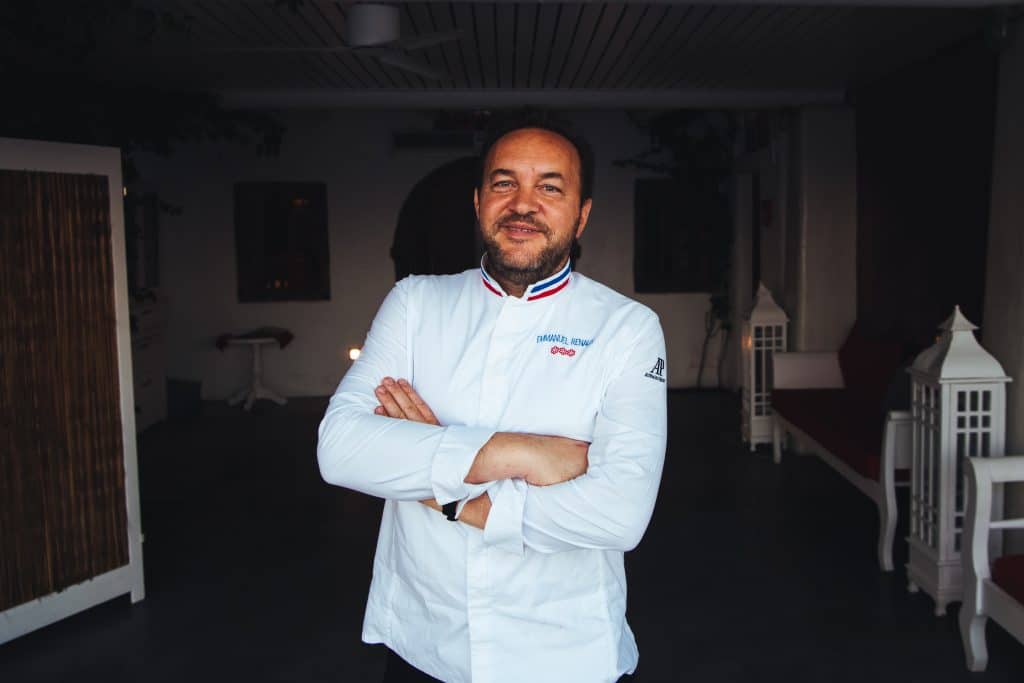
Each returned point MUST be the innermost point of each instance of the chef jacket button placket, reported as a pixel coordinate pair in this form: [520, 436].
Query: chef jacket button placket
[494, 397]
[494, 383]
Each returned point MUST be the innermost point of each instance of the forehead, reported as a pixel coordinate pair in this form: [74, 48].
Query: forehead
[536, 148]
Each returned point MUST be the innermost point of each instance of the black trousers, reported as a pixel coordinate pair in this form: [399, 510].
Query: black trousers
[397, 670]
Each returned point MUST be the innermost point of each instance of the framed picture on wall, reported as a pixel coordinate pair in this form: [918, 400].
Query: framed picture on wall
[281, 245]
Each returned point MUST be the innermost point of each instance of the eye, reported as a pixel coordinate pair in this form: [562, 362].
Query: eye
[502, 185]
[551, 189]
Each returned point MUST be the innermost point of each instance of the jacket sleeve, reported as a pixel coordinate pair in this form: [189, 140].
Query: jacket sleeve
[609, 507]
[385, 457]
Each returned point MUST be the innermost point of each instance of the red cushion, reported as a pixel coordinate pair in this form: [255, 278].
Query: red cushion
[1008, 574]
[844, 424]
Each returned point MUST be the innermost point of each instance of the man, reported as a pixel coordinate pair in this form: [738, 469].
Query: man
[513, 417]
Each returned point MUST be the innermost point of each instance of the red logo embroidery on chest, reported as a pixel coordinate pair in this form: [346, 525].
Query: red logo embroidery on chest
[559, 350]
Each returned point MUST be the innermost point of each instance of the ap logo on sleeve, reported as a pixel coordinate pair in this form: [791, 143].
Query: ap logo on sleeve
[658, 371]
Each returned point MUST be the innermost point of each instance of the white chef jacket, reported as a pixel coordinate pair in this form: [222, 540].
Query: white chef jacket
[540, 594]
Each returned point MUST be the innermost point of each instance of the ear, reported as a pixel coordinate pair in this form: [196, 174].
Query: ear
[476, 202]
[584, 216]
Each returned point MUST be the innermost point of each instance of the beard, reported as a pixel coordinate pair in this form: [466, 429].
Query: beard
[525, 271]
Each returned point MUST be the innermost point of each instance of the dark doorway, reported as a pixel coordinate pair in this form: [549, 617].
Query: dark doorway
[436, 232]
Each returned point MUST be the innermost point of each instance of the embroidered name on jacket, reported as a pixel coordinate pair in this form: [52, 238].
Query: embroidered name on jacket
[562, 339]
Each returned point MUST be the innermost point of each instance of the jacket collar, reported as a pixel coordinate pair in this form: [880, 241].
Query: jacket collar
[541, 289]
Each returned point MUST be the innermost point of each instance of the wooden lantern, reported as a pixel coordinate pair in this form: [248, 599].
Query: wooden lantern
[959, 411]
[764, 333]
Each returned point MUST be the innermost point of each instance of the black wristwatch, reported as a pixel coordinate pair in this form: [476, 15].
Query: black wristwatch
[449, 510]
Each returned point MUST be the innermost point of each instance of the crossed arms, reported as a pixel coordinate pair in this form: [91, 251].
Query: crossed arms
[538, 460]
[604, 501]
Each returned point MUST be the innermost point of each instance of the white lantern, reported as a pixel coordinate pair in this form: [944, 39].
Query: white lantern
[959, 411]
[764, 333]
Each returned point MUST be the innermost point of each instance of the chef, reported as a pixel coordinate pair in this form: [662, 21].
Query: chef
[513, 419]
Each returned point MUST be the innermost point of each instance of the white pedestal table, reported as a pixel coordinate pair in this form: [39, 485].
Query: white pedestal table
[257, 388]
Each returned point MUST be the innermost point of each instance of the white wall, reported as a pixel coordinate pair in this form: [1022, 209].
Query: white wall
[771, 168]
[367, 182]
[792, 238]
[826, 260]
[742, 271]
[808, 250]
[770, 189]
[1003, 333]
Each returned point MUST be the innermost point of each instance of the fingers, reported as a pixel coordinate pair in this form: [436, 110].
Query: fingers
[419, 403]
[389, 403]
[400, 394]
[399, 400]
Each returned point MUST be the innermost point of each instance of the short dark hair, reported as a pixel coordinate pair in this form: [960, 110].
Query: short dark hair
[502, 125]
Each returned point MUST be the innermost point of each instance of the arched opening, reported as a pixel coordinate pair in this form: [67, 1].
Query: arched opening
[436, 232]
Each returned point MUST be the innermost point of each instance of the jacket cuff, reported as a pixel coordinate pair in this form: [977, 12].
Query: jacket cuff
[504, 527]
[452, 461]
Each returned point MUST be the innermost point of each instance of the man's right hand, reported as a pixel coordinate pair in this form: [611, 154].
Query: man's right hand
[540, 460]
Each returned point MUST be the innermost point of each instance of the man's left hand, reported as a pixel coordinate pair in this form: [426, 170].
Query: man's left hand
[399, 400]
[474, 513]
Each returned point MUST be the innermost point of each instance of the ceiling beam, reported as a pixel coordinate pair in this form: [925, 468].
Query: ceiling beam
[323, 98]
[804, 3]
[977, 4]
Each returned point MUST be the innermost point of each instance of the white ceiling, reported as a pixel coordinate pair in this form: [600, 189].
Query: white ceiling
[573, 54]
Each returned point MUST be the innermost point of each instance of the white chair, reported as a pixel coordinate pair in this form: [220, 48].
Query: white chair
[983, 597]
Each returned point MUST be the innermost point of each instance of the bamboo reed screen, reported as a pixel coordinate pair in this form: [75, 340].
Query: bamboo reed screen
[62, 497]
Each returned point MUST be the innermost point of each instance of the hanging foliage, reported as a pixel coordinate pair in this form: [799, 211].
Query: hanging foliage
[697, 148]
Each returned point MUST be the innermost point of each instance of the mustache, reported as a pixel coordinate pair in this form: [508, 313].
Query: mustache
[526, 218]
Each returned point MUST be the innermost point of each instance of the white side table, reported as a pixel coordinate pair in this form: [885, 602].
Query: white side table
[257, 389]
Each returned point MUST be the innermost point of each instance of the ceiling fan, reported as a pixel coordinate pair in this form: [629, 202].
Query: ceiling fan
[374, 30]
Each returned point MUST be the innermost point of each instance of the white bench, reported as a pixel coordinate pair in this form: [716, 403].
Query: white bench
[983, 596]
[821, 371]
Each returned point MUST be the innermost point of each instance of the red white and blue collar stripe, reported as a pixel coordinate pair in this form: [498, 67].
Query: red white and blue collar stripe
[538, 290]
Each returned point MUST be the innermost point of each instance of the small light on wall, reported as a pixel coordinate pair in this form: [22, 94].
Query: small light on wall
[124, 191]
[354, 352]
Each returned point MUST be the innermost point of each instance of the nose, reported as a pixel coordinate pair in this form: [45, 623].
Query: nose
[524, 202]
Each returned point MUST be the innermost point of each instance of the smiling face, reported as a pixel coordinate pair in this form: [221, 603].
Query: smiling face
[528, 206]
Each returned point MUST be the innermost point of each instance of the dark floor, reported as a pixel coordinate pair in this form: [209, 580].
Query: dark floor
[257, 571]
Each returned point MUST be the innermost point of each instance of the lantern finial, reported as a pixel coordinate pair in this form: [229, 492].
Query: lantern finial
[957, 355]
[765, 309]
[957, 322]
